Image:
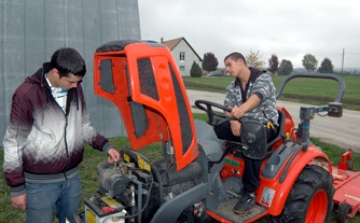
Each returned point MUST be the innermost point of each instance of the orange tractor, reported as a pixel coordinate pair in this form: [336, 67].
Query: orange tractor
[199, 177]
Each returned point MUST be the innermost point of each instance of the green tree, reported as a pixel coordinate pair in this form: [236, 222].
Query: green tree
[273, 65]
[195, 70]
[285, 67]
[310, 62]
[254, 59]
[326, 66]
[210, 62]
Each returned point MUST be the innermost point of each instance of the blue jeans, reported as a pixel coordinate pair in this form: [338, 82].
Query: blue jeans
[42, 198]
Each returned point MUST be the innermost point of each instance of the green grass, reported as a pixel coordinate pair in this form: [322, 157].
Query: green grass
[306, 87]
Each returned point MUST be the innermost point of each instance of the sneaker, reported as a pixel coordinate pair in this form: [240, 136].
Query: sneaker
[245, 203]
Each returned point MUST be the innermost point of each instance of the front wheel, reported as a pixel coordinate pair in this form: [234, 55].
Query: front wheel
[310, 199]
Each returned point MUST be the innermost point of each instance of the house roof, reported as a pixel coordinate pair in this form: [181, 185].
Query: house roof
[171, 44]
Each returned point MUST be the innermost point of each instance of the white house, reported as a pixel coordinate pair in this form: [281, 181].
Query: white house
[183, 54]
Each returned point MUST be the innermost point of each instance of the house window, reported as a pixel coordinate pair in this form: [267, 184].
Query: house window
[182, 68]
[182, 56]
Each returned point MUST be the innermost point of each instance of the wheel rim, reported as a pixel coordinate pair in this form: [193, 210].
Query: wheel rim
[318, 207]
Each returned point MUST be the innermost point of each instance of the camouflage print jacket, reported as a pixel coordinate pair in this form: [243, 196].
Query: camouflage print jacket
[261, 84]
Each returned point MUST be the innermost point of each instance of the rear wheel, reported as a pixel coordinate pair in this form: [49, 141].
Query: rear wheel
[310, 199]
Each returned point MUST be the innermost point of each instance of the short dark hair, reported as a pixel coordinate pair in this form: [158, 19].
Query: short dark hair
[67, 60]
[235, 56]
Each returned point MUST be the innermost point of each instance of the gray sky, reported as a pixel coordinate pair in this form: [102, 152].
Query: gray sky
[288, 28]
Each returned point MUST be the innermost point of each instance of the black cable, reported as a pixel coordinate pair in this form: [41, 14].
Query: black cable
[148, 197]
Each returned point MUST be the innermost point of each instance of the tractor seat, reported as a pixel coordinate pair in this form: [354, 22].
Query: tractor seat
[267, 149]
[280, 134]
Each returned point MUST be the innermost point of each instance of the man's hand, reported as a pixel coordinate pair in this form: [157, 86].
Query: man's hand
[19, 202]
[114, 155]
[252, 102]
[235, 127]
[238, 112]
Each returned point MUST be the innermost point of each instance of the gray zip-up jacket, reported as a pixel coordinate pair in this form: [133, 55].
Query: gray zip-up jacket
[260, 84]
[41, 142]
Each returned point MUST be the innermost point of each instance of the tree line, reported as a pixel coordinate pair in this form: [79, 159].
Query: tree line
[254, 59]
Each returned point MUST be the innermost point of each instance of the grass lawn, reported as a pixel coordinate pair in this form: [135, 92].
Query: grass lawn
[305, 87]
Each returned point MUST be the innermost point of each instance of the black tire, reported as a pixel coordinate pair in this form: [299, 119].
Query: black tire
[350, 165]
[310, 197]
[344, 210]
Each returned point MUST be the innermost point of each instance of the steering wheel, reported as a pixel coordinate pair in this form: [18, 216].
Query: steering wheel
[207, 106]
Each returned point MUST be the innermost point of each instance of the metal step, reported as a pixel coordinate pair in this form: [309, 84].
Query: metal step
[225, 210]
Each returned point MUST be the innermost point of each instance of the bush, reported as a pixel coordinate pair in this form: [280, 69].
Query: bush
[195, 70]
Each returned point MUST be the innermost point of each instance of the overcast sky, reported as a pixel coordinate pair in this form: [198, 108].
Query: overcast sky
[288, 28]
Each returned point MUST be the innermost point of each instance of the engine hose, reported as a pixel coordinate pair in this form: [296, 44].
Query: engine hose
[154, 171]
[148, 197]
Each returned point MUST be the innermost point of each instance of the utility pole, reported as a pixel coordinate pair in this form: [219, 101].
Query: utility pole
[342, 64]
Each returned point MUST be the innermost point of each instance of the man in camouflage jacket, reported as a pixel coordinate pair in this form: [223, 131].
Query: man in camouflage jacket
[252, 95]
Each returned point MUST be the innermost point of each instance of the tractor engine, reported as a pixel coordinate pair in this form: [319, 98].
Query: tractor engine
[132, 191]
[124, 194]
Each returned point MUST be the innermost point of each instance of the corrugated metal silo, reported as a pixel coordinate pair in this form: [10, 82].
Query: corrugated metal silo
[31, 30]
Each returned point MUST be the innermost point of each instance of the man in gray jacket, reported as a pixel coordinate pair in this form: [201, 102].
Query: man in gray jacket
[43, 142]
[251, 94]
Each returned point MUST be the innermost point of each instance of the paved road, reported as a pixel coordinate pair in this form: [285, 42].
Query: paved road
[344, 131]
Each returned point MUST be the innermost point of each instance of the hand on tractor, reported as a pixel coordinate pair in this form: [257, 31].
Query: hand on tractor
[235, 127]
[19, 202]
[114, 155]
[238, 112]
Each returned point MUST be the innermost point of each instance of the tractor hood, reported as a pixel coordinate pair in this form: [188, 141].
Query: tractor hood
[141, 78]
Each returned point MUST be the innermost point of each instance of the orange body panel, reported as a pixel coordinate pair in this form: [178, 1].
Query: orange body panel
[159, 112]
[234, 166]
[273, 194]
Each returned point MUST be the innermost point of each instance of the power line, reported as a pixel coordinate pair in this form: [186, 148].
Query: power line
[342, 64]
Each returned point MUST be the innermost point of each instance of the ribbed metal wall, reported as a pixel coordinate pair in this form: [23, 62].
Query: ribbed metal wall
[31, 30]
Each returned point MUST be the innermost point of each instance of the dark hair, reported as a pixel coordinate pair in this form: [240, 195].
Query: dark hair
[235, 56]
[67, 60]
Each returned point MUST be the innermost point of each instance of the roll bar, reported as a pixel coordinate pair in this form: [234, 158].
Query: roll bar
[335, 77]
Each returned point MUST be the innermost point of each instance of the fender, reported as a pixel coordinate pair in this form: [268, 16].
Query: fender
[274, 191]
